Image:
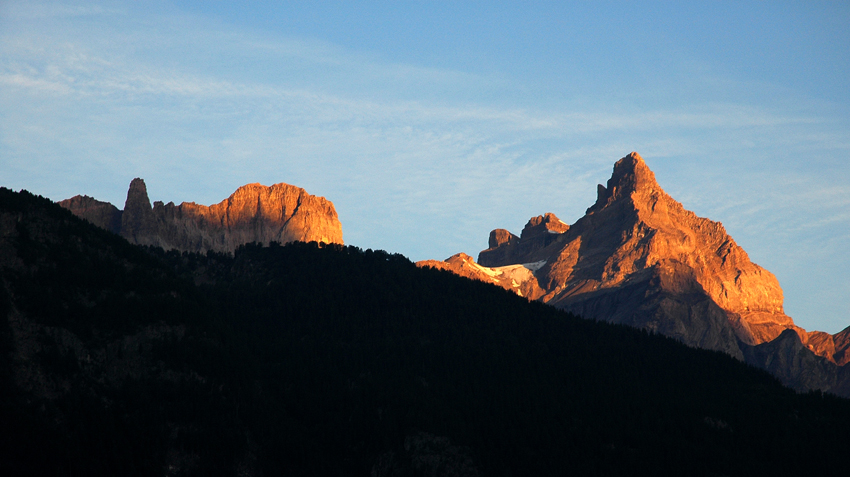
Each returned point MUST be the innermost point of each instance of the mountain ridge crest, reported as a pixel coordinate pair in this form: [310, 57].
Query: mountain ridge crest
[253, 213]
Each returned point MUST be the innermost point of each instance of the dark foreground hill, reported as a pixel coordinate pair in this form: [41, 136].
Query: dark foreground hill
[330, 360]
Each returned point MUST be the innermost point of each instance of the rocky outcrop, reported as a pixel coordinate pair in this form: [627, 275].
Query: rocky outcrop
[638, 257]
[506, 248]
[138, 223]
[841, 341]
[787, 358]
[102, 214]
[254, 213]
[517, 278]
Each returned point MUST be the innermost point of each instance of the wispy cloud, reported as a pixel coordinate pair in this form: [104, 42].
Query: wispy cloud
[40, 11]
[32, 83]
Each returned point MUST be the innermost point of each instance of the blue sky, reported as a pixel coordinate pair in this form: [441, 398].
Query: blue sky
[430, 123]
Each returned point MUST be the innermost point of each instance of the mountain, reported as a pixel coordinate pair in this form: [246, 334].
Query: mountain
[321, 359]
[254, 213]
[638, 257]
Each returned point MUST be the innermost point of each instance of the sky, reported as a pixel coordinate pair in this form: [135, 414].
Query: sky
[428, 124]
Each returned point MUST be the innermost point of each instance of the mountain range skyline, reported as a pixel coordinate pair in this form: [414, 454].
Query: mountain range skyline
[324, 359]
[637, 257]
[429, 125]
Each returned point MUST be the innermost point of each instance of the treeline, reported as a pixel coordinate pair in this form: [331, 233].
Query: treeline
[311, 359]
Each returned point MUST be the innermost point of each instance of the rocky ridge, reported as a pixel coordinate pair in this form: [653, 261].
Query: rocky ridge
[518, 278]
[638, 257]
[253, 213]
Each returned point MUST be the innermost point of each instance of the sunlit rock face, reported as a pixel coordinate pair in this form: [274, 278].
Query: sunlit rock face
[635, 232]
[508, 249]
[638, 257]
[254, 213]
[518, 278]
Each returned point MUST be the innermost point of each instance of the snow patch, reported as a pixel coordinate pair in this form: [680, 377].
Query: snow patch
[518, 274]
[491, 272]
[534, 266]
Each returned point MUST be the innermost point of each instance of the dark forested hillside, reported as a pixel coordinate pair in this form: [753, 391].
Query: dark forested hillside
[328, 360]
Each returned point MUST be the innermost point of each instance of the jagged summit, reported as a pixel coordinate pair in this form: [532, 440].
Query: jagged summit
[635, 229]
[636, 225]
[253, 213]
[631, 175]
[138, 191]
[138, 218]
[507, 249]
[542, 224]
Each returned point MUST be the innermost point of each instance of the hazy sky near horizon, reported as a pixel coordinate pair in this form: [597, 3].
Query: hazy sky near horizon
[428, 124]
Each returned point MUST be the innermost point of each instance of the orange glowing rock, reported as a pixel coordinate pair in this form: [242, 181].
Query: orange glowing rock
[254, 213]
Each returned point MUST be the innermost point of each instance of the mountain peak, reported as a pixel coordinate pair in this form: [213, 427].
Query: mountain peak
[547, 223]
[506, 248]
[631, 174]
[138, 184]
[635, 226]
[137, 195]
[138, 214]
[636, 235]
